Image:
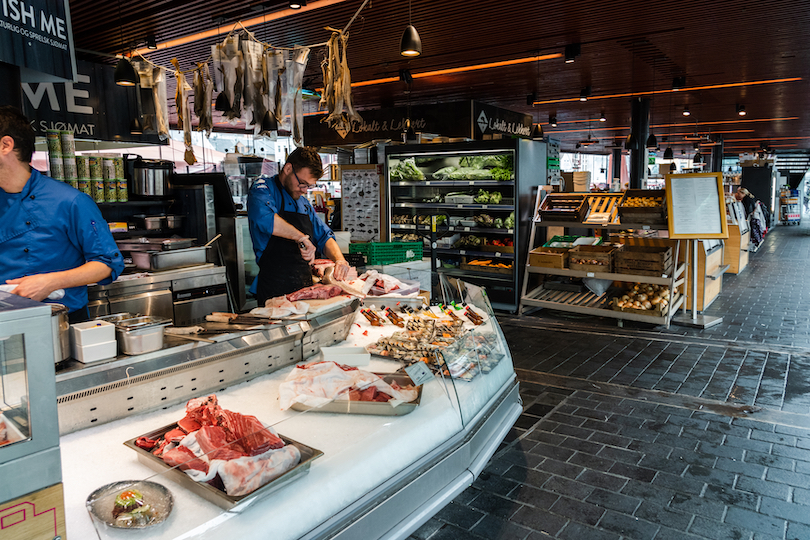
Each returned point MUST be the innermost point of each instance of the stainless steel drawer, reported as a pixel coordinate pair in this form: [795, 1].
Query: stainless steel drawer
[156, 303]
[190, 312]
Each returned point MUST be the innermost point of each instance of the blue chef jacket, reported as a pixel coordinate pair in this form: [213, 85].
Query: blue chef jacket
[265, 200]
[51, 227]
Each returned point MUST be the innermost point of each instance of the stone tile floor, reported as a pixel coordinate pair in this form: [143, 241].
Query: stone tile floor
[651, 433]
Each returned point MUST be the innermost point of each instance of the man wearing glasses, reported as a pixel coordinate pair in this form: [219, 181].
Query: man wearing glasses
[285, 230]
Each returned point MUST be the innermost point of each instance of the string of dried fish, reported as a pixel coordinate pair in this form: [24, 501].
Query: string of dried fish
[183, 113]
[203, 92]
[337, 85]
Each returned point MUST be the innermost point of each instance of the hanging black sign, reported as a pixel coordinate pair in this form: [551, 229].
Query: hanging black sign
[92, 108]
[36, 36]
[489, 120]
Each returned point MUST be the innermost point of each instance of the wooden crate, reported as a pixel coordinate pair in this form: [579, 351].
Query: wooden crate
[549, 257]
[643, 260]
[487, 269]
[603, 254]
[644, 215]
[563, 207]
[495, 249]
[657, 312]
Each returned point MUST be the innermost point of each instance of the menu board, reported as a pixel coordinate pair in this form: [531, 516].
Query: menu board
[361, 193]
[696, 206]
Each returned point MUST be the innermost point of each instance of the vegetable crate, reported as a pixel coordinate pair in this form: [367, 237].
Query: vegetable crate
[591, 258]
[633, 207]
[563, 207]
[388, 252]
[549, 257]
[485, 265]
[565, 238]
[496, 249]
[643, 260]
[656, 311]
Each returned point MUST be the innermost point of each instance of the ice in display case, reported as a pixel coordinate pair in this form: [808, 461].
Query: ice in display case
[379, 474]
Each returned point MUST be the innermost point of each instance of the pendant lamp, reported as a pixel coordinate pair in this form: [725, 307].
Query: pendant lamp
[135, 128]
[698, 158]
[652, 142]
[269, 122]
[668, 154]
[125, 74]
[630, 142]
[410, 45]
[673, 167]
[537, 133]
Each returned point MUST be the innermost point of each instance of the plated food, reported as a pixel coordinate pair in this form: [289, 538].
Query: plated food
[131, 504]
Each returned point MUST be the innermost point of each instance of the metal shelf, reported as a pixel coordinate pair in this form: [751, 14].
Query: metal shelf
[454, 183]
[471, 206]
[596, 225]
[471, 253]
[454, 228]
[607, 275]
[469, 273]
[587, 303]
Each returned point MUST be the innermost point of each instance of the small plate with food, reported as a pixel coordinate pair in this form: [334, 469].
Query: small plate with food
[131, 504]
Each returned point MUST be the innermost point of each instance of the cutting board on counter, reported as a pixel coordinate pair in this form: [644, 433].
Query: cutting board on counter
[319, 307]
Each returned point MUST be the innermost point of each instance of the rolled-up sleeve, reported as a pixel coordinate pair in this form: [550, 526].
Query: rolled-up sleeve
[92, 234]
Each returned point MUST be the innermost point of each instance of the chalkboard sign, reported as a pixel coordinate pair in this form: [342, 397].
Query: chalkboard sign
[361, 193]
[696, 206]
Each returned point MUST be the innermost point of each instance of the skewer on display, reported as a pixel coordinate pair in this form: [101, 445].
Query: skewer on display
[372, 317]
[474, 317]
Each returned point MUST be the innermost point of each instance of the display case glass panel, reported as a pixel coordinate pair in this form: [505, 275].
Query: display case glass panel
[15, 418]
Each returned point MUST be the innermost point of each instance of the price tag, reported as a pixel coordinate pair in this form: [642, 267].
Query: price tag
[419, 373]
[511, 231]
[645, 227]
[459, 206]
[293, 328]
[497, 253]
[466, 229]
[483, 207]
[462, 252]
[472, 182]
[427, 183]
[590, 274]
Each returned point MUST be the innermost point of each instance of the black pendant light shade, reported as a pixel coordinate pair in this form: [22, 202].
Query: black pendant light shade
[652, 142]
[668, 153]
[630, 142]
[125, 74]
[537, 133]
[222, 103]
[268, 121]
[673, 167]
[135, 128]
[698, 158]
[410, 45]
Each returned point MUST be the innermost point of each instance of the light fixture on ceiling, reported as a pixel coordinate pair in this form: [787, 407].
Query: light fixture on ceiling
[584, 93]
[553, 121]
[678, 83]
[630, 142]
[698, 158]
[602, 117]
[652, 142]
[673, 167]
[151, 42]
[125, 74]
[686, 111]
[297, 4]
[135, 128]
[693, 137]
[537, 132]
[668, 154]
[572, 50]
[530, 99]
[405, 76]
[578, 146]
[741, 110]
[410, 45]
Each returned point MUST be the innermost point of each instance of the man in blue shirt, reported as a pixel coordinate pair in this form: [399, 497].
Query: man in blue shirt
[285, 230]
[52, 236]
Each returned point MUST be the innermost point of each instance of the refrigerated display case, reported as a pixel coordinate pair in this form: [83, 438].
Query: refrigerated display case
[482, 193]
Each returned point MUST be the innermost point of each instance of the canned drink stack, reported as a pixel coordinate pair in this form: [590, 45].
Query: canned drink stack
[83, 170]
[110, 182]
[54, 144]
[68, 143]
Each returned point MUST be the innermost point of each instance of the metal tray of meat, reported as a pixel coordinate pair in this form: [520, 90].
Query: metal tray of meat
[213, 494]
[370, 407]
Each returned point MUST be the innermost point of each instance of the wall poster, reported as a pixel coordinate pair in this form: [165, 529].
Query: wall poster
[696, 206]
[361, 187]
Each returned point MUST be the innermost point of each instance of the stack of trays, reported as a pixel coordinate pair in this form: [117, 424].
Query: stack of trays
[92, 341]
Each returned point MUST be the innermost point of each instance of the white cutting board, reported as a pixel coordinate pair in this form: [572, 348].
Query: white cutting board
[318, 307]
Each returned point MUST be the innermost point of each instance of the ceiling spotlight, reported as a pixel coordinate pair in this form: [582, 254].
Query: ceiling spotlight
[686, 111]
[698, 158]
[553, 121]
[151, 42]
[578, 146]
[585, 93]
[530, 99]
[668, 154]
[410, 44]
[678, 83]
[297, 4]
[125, 74]
[683, 152]
[741, 110]
[572, 50]
[135, 128]
[602, 117]
[537, 133]
[652, 142]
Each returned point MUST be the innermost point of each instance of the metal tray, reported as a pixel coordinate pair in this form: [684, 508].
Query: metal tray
[209, 492]
[369, 407]
[166, 260]
[155, 244]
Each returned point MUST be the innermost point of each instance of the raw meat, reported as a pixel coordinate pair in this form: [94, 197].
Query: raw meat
[321, 292]
[214, 444]
[185, 459]
[146, 443]
[203, 410]
[188, 424]
[175, 435]
[251, 434]
[319, 383]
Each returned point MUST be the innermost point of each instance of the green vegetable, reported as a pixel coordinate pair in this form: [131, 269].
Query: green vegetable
[473, 162]
[495, 197]
[407, 170]
[444, 173]
[490, 162]
[498, 223]
[482, 197]
[469, 173]
[509, 222]
[501, 174]
[484, 220]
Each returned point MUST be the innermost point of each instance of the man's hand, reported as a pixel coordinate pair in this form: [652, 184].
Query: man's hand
[307, 249]
[36, 287]
[341, 270]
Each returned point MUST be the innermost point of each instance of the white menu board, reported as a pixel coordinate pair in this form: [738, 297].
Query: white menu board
[360, 202]
[696, 206]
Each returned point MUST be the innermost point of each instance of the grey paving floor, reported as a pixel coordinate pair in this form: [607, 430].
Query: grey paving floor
[652, 433]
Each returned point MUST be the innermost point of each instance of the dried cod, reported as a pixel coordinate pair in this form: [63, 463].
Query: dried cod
[338, 85]
[183, 111]
[203, 92]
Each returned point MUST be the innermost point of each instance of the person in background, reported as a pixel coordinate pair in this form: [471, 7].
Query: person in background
[285, 230]
[52, 236]
[745, 196]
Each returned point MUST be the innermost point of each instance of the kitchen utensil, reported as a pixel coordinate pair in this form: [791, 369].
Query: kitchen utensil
[214, 239]
[150, 223]
[141, 335]
[174, 222]
[151, 177]
[192, 337]
[60, 328]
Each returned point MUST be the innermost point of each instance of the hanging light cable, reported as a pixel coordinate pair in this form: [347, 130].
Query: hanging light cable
[410, 45]
[125, 74]
[652, 142]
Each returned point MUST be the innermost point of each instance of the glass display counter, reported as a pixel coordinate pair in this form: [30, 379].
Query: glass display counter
[360, 475]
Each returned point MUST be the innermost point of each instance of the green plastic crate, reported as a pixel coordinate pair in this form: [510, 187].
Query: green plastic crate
[388, 252]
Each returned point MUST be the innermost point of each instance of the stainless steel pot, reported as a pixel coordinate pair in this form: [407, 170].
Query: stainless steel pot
[60, 328]
[151, 177]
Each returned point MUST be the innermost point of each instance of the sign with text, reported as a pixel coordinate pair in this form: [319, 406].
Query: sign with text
[696, 206]
[92, 108]
[36, 36]
[491, 120]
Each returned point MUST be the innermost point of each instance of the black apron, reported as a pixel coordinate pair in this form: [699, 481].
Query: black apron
[282, 270]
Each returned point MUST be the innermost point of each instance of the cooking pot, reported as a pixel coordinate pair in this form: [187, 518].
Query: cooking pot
[150, 177]
[60, 327]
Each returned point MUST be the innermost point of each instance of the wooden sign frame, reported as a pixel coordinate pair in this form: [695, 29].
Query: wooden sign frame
[689, 198]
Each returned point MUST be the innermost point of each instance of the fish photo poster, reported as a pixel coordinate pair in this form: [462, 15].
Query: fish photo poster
[360, 186]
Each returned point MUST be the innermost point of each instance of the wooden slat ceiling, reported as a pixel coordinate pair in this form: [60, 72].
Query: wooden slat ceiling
[626, 47]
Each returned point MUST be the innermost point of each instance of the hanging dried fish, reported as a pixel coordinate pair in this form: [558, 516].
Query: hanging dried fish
[295, 80]
[223, 102]
[161, 103]
[337, 85]
[253, 107]
[272, 61]
[183, 112]
[203, 92]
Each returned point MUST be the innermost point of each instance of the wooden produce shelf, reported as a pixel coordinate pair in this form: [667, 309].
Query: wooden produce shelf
[609, 275]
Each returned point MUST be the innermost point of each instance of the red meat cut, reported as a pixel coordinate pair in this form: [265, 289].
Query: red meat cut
[249, 431]
[315, 292]
[213, 441]
[176, 435]
[185, 459]
[146, 443]
[188, 424]
[203, 410]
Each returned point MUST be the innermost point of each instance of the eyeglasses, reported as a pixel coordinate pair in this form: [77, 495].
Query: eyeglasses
[301, 183]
